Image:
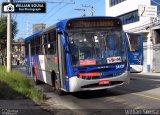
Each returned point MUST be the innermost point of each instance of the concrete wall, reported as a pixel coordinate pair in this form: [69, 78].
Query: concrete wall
[145, 57]
[155, 52]
[156, 58]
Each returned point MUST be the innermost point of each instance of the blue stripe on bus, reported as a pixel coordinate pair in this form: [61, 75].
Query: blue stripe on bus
[112, 69]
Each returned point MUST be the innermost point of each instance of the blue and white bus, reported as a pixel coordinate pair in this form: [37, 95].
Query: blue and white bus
[135, 41]
[87, 53]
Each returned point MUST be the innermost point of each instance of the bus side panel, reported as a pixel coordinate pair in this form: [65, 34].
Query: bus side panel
[51, 65]
[27, 64]
[41, 70]
[37, 68]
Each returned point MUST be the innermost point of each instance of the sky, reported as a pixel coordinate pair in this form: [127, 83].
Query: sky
[54, 13]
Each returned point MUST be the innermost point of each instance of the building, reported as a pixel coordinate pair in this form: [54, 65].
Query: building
[18, 50]
[127, 11]
[38, 27]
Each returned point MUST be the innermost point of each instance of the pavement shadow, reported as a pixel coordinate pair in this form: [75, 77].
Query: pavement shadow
[6, 92]
[94, 94]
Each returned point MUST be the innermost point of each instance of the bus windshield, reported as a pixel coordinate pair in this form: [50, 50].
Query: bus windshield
[96, 47]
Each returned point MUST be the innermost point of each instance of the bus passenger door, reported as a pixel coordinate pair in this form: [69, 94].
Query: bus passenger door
[61, 62]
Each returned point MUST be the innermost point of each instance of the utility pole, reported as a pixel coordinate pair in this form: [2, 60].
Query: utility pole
[92, 9]
[9, 41]
[150, 47]
[83, 11]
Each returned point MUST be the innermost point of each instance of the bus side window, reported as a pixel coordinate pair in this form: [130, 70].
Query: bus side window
[33, 51]
[52, 43]
[44, 42]
[42, 45]
[26, 49]
[37, 50]
[33, 43]
[45, 48]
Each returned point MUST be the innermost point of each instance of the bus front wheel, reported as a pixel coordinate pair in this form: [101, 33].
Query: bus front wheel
[57, 87]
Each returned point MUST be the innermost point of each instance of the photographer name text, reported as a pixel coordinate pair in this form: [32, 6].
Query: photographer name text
[29, 5]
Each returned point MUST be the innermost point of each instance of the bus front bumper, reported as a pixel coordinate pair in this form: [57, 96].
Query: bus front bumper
[79, 84]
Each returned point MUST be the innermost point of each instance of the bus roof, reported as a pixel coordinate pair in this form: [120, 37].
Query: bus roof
[62, 24]
[33, 35]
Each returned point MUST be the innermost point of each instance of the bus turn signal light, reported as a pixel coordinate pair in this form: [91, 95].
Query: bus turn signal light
[83, 75]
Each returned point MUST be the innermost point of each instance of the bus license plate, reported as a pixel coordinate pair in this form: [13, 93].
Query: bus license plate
[104, 82]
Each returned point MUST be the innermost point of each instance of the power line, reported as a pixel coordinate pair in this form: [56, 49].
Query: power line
[61, 2]
[57, 11]
[50, 11]
[66, 3]
[75, 7]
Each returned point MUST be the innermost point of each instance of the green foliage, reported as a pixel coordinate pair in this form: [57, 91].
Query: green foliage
[3, 28]
[3, 37]
[15, 85]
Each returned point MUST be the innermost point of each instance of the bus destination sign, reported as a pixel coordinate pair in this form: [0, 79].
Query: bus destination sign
[93, 23]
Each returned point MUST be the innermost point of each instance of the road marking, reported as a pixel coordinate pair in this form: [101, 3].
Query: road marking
[141, 95]
[145, 96]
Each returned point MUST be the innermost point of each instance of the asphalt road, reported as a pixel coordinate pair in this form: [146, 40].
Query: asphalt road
[141, 96]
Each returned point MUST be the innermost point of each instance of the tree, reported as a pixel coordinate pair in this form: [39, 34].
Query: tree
[3, 37]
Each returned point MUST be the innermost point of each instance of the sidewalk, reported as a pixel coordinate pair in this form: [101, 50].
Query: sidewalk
[21, 107]
[146, 75]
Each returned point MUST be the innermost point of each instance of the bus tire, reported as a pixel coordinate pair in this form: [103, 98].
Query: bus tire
[57, 88]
